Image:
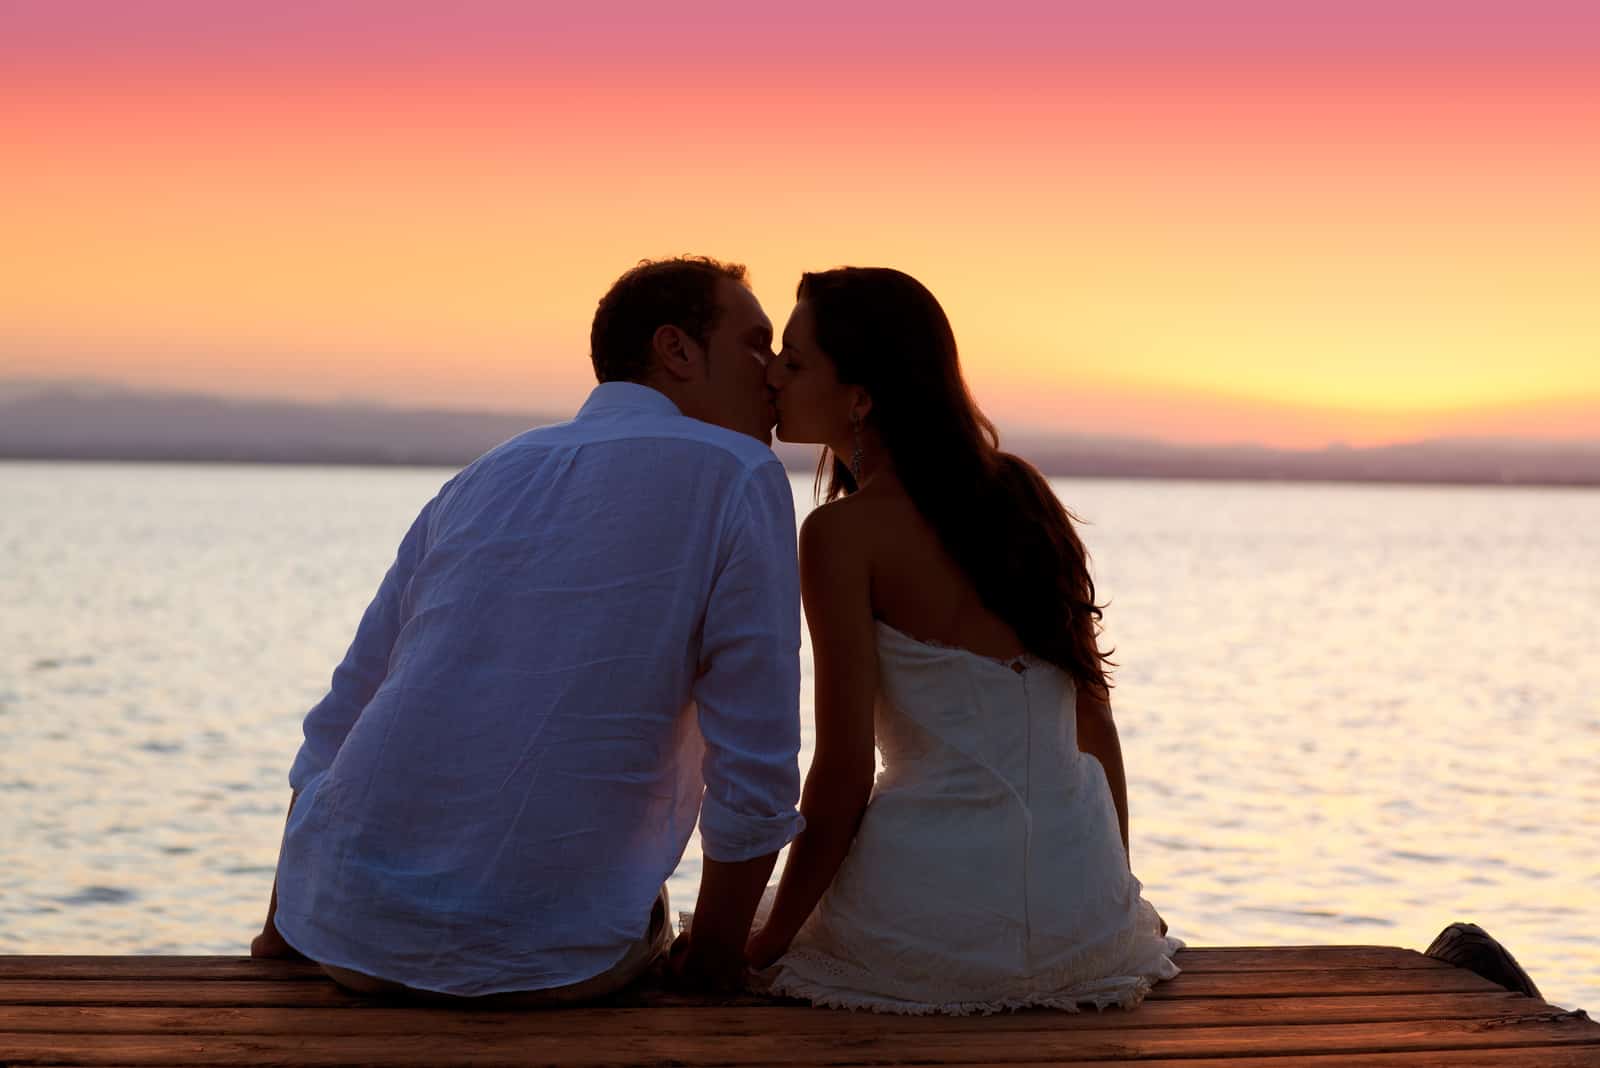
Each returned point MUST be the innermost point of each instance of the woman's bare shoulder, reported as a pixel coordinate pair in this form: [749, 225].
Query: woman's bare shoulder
[859, 517]
[841, 514]
[838, 522]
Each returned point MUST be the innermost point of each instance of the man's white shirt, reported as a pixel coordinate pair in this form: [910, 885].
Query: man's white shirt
[589, 639]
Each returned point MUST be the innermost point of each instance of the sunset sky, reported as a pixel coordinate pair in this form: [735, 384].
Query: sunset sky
[1239, 220]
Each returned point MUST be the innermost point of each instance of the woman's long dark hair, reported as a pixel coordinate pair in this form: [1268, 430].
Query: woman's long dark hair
[992, 511]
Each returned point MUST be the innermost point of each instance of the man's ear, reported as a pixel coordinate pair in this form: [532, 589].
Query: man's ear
[675, 353]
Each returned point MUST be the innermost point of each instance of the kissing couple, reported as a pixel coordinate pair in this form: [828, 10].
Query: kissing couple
[589, 642]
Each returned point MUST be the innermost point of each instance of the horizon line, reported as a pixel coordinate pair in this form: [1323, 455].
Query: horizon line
[20, 387]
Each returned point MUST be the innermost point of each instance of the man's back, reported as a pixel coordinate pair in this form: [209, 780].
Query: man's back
[508, 765]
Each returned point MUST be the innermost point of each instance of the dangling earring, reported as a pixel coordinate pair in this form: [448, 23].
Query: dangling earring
[855, 452]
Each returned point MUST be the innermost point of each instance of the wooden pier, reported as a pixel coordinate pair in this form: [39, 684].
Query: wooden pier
[1232, 1008]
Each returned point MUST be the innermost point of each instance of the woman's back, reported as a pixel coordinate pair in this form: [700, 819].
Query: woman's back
[987, 872]
[917, 587]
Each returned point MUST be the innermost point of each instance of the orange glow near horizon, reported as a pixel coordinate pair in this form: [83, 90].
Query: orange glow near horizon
[1233, 250]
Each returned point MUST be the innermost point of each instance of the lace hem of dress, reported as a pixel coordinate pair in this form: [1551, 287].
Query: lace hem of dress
[1124, 992]
[854, 991]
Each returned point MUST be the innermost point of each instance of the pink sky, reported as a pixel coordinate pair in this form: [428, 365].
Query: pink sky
[1290, 223]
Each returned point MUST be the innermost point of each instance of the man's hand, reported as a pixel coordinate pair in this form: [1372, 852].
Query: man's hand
[710, 956]
[702, 969]
[270, 945]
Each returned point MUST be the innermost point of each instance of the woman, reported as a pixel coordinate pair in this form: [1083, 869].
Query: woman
[953, 625]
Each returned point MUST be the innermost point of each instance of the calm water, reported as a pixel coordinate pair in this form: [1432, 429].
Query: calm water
[1350, 714]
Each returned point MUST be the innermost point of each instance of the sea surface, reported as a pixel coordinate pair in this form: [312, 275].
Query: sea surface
[1351, 714]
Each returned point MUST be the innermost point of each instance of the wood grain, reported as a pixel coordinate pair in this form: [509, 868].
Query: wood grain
[389, 1019]
[1247, 1007]
[405, 1049]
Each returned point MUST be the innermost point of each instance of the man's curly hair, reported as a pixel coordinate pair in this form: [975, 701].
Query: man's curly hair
[679, 292]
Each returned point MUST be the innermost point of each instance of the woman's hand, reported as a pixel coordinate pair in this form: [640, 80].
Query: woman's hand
[764, 948]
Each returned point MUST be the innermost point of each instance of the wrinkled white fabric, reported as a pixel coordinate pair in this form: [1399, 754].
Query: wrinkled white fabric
[590, 629]
[988, 872]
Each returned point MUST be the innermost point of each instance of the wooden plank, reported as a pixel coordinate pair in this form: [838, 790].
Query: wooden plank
[1292, 983]
[1531, 1057]
[170, 992]
[393, 1019]
[244, 969]
[1302, 958]
[294, 991]
[1229, 959]
[1527, 1057]
[1321, 983]
[325, 993]
[404, 1050]
[310, 995]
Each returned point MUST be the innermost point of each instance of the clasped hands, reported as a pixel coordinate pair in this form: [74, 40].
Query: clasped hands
[713, 969]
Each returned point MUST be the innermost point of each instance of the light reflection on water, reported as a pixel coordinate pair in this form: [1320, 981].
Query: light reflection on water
[1351, 714]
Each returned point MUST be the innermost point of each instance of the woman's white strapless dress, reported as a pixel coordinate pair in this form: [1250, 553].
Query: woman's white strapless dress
[988, 871]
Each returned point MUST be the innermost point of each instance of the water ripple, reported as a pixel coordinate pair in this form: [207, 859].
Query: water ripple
[1335, 756]
[100, 895]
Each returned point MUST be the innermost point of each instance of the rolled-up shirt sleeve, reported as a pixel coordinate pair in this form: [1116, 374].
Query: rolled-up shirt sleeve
[748, 689]
[365, 664]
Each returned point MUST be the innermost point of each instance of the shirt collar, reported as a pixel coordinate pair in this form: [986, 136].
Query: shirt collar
[627, 396]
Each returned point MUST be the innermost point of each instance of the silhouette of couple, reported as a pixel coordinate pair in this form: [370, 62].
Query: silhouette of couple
[589, 643]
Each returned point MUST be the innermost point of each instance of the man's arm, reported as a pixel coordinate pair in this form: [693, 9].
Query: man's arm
[269, 943]
[355, 681]
[365, 663]
[713, 954]
[748, 694]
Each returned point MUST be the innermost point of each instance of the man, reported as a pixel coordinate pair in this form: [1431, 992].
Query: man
[589, 628]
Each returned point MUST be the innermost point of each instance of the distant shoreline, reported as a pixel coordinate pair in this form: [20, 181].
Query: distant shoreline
[361, 461]
[63, 423]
